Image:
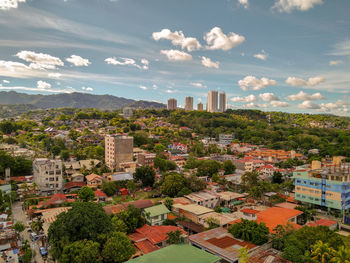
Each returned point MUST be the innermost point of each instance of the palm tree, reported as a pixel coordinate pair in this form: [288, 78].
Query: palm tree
[322, 252]
[342, 255]
[244, 255]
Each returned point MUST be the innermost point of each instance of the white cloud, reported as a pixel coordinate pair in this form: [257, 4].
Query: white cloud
[216, 39]
[290, 5]
[42, 85]
[127, 62]
[262, 56]
[268, 97]
[255, 83]
[339, 107]
[170, 91]
[54, 75]
[207, 62]
[176, 55]
[279, 104]
[36, 89]
[249, 98]
[8, 4]
[198, 85]
[308, 104]
[335, 62]
[78, 61]
[6, 81]
[143, 87]
[304, 96]
[155, 87]
[178, 38]
[293, 81]
[145, 63]
[251, 105]
[87, 88]
[244, 3]
[40, 60]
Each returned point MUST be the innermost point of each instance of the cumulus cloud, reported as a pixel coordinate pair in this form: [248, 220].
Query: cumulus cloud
[143, 87]
[78, 61]
[8, 4]
[251, 82]
[244, 3]
[304, 96]
[127, 62]
[290, 5]
[176, 55]
[339, 107]
[249, 98]
[262, 56]
[335, 62]
[293, 81]
[39, 60]
[207, 62]
[87, 88]
[279, 104]
[308, 104]
[198, 85]
[6, 81]
[251, 105]
[216, 39]
[170, 91]
[36, 89]
[54, 75]
[178, 38]
[43, 85]
[268, 97]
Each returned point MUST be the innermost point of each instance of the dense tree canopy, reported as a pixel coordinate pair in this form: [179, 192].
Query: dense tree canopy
[250, 231]
[146, 175]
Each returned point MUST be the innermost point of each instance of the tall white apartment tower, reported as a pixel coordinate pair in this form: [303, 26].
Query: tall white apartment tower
[212, 101]
[172, 104]
[189, 103]
[118, 149]
[222, 100]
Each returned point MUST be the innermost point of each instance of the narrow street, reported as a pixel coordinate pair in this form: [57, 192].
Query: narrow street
[19, 215]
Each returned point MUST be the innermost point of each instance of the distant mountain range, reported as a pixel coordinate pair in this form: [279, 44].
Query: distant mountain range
[75, 100]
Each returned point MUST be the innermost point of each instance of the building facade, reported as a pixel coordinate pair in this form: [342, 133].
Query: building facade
[200, 106]
[48, 175]
[212, 101]
[326, 187]
[222, 100]
[189, 103]
[118, 149]
[172, 104]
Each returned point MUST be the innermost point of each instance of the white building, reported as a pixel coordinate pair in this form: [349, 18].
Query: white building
[212, 101]
[226, 139]
[48, 175]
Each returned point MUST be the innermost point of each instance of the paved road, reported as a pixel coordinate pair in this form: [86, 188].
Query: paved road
[19, 215]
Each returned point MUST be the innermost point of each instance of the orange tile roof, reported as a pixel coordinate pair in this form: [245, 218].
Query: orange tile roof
[249, 211]
[146, 246]
[323, 222]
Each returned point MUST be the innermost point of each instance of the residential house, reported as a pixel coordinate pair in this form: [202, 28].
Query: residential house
[93, 180]
[118, 176]
[191, 211]
[156, 215]
[204, 198]
[77, 177]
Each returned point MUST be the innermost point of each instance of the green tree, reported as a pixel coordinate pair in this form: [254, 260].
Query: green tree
[146, 175]
[228, 167]
[212, 222]
[194, 183]
[64, 155]
[250, 179]
[19, 227]
[250, 231]
[243, 255]
[158, 148]
[173, 184]
[322, 252]
[208, 168]
[109, 188]
[168, 202]
[86, 194]
[131, 217]
[174, 237]
[82, 251]
[118, 248]
[277, 178]
[119, 225]
[342, 255]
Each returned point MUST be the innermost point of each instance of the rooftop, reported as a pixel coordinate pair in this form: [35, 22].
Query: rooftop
[193, 208]
[219, 242]
[157, 210]
[323, 222]
[177, 253]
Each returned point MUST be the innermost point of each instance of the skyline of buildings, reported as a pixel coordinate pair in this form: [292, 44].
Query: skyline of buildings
[216, 102]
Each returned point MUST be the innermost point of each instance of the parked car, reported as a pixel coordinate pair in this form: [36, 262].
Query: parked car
[43, 251]
[34, 236]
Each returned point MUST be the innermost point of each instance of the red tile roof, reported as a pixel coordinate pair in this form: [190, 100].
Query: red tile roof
[146, 246]
[70, 185]
[250, 211]
[113, 209]
[99, 193]
[141, 204]
[323, 222]
[56, 199]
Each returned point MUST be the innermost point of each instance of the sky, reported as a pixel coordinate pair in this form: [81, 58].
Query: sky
[272, 55]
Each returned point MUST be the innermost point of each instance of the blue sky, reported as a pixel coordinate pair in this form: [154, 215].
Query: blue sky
[285, 55]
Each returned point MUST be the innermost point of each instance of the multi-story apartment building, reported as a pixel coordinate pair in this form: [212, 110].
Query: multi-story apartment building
[189, 103]
[48, 175]
[324, 185]
[118, 149]
[172, 104]
[200, 106]
[222, 100]
[226, 139]
[212, 101]
[146, 158]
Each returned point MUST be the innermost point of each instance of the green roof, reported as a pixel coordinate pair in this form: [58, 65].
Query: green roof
[157, 210]
[177, 253]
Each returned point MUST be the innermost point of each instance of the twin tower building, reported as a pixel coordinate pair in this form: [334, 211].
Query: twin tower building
[216, 102]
